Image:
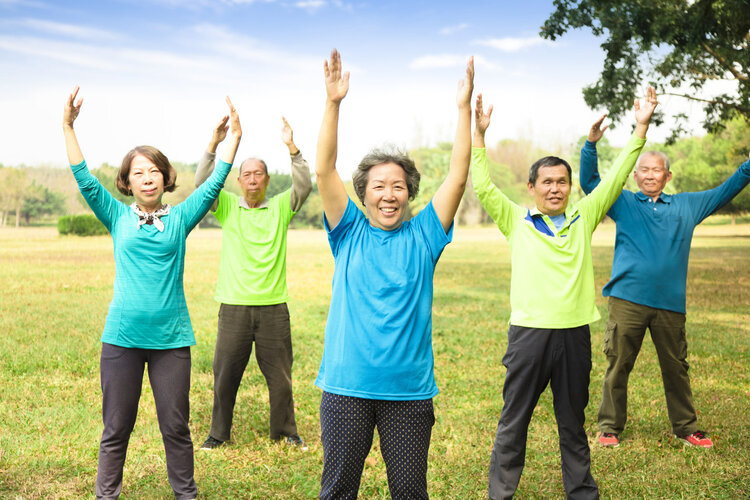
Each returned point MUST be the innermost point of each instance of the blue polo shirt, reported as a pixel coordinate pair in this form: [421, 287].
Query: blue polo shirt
[652, 242]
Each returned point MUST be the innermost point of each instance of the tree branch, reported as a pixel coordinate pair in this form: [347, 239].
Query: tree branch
[743, 109]
[727, 65]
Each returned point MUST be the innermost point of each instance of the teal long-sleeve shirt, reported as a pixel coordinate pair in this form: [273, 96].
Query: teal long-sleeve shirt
[652, 242]
[552, 273]
[148, 308]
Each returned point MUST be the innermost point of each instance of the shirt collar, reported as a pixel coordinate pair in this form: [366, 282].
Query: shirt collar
[663, 197]
[243, 203]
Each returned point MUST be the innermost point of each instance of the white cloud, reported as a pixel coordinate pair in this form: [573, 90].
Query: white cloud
[512, 44]
[310, 5]
[69, 30]
[449, 30]
[435, 61]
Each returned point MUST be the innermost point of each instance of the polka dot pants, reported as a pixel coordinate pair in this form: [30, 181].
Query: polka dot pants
[347, 427]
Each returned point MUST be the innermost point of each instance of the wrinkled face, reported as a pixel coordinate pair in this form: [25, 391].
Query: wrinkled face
[386, 196]
[146, 182]
[253, 182]
[651, 175]
[551, 190]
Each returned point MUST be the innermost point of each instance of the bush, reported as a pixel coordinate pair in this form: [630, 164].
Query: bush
[80, 225]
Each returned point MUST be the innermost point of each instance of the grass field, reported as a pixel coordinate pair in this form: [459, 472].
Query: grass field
[54, 297]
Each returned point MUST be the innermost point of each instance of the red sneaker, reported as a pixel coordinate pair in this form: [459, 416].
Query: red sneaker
[698, 438]
[609, 439]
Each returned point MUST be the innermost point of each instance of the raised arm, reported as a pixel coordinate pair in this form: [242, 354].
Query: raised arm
[70, 113]
[234, 142]
[206, 165]
[301, 182]
[449, 193]
[332, 191]
[589, 169]
[497, 205]
[611, 186]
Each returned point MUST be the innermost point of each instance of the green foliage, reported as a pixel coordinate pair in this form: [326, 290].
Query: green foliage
[39, 201]
[672, 44]
[81, 225]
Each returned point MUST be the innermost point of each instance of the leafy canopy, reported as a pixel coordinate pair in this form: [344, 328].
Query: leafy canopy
[674, 44]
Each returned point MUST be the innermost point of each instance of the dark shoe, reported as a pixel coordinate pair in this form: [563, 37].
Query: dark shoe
[296, 441]
[211, 444]
[609, 440]
[698, 439]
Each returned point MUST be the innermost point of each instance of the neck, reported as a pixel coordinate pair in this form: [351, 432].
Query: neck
[149, 208]
[253, 203]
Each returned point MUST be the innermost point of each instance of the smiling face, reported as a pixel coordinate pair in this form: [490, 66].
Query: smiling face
[651, 175]
[253, 181]
[146, 182]
[386, 196]
[551, 189]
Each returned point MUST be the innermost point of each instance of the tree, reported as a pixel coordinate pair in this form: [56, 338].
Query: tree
[39, 201]
[13, 185]
[674, 43]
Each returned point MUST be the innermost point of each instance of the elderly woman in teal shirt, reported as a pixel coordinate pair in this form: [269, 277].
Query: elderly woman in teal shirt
[148, 322]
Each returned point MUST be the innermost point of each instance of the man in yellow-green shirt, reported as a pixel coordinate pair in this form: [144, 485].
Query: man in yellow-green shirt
[552, 303]
[252, 289]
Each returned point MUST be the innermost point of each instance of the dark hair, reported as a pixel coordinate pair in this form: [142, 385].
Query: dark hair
[378, 156]
[265, 167]
[157, 158]
[548, 161]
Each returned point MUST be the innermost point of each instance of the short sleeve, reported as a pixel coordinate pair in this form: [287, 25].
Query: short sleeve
[338, 233]
[429, 225]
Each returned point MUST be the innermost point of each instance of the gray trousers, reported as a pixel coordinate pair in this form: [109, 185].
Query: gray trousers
[535, 358]
[622, 342]
[239, 327]
[122, 377]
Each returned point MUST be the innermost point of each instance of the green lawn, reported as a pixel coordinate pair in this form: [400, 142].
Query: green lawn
[54, 296]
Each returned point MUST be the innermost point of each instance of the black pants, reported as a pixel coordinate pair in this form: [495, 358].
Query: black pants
[122, 378]
[347, 428]
[239, 327]
[536, 357]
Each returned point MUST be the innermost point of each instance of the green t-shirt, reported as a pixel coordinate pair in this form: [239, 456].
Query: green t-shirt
[252, 270]
[552, 273]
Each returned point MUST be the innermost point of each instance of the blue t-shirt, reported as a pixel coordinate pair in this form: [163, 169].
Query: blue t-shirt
[148, 308]
[652, 242]
[378, 340]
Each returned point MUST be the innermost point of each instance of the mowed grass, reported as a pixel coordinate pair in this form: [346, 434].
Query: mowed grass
[54, 298]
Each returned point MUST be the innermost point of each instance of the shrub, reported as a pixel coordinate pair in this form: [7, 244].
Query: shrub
[80, 225]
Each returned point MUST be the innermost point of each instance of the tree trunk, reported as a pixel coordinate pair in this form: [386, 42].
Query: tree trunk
[734, 219]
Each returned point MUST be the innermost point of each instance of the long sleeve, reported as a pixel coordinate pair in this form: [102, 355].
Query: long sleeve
[205, 167]
[301, 181]
[588, 175]
[198, 203]
[704, 203]
[101, 201]
[500, 208]
[605, 194]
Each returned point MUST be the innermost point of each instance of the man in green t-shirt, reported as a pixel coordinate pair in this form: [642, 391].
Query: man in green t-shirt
[552, 303]
[252, 288]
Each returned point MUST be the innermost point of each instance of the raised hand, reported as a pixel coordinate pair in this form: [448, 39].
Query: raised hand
[466, 85]
[234, 120]
[337, 83]
[644, 111]
[482, 119]
[597, 131]
[72, 108]
[287, 135]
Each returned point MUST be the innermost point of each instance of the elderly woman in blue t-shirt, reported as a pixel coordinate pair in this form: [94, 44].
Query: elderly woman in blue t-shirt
[148, 321]
[377, 366]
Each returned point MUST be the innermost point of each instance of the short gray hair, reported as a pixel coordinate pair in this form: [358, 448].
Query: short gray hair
[378, 156]
[658, 154]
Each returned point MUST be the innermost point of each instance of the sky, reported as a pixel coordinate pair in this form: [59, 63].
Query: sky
[157, 71]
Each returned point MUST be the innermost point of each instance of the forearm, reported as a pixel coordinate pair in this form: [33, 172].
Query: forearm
[231, 151]
[589, 168]
[75, 156]
[449, 194]
[301, 181]
[325, 159]
[205, 167]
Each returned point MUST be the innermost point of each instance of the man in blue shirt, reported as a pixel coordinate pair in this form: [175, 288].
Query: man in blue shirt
[647, 286]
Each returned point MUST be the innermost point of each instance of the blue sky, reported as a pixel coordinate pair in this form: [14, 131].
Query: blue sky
[156, 72]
